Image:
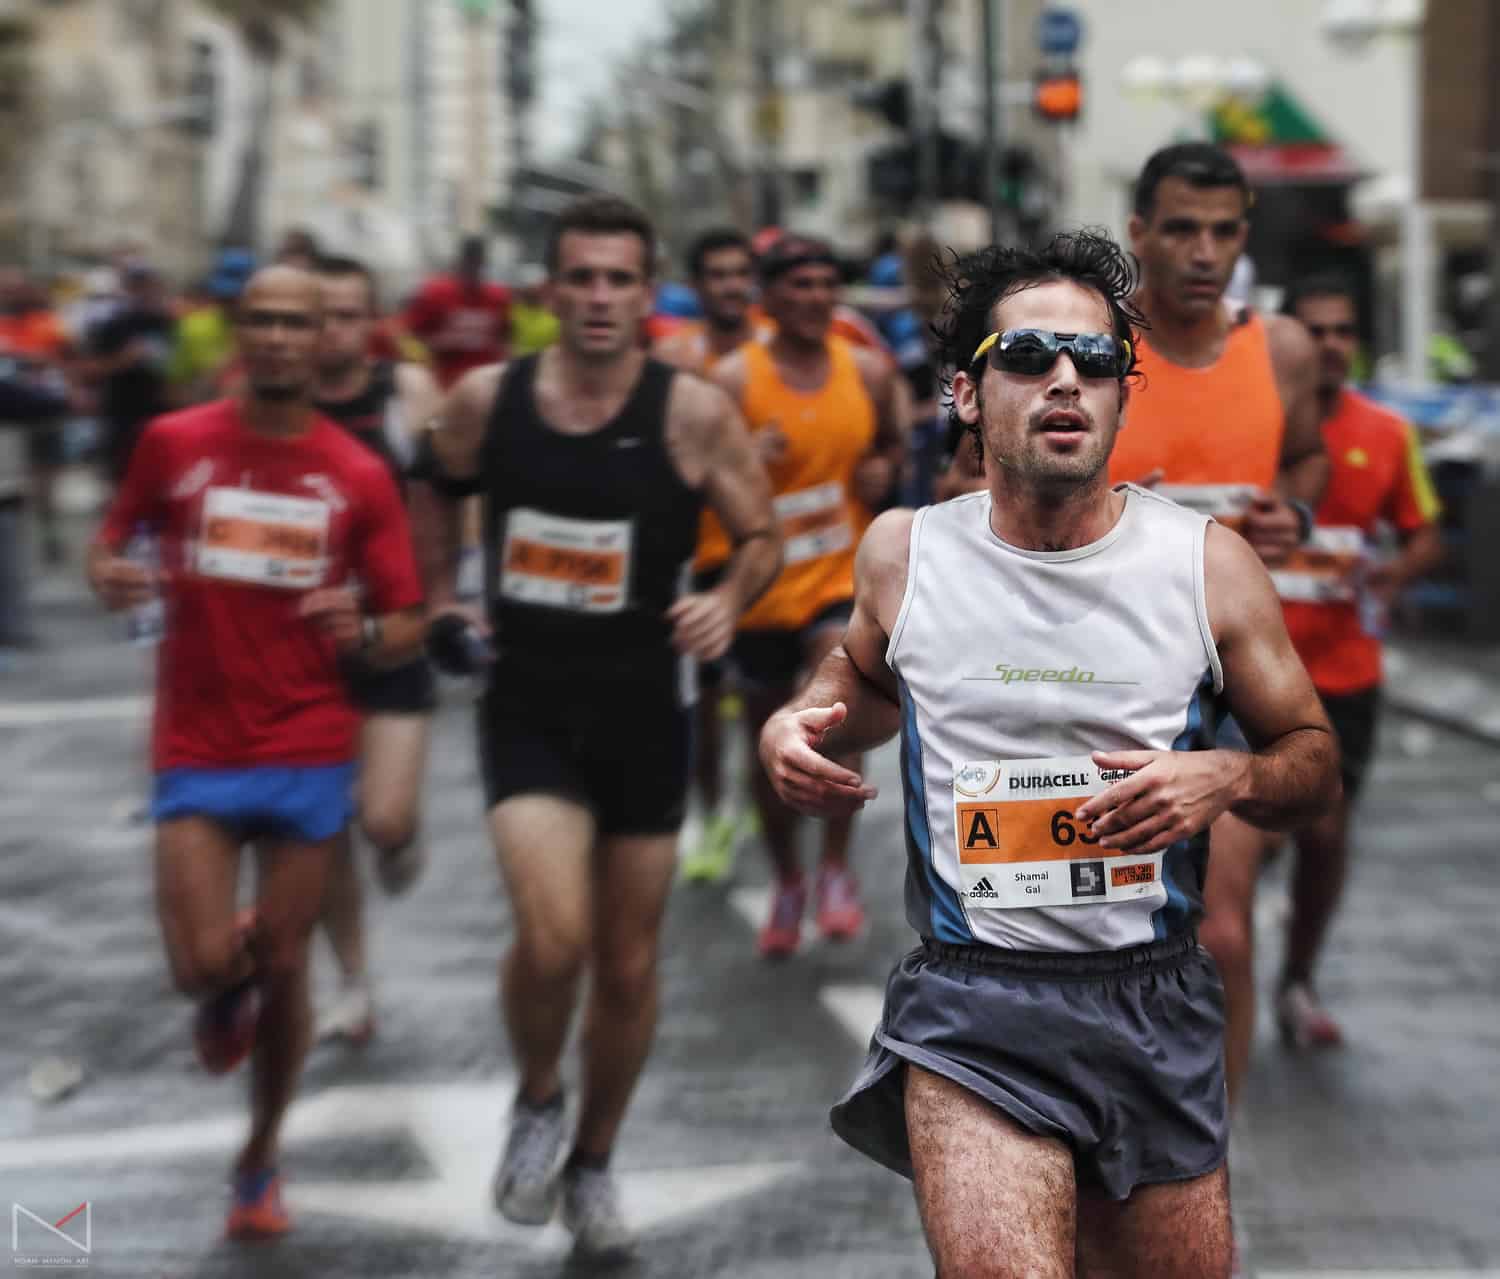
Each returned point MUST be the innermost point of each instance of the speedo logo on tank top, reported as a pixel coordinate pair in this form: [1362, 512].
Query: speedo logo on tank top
[1005, 673]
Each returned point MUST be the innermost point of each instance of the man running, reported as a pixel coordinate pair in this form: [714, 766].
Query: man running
[1335, 595]
[463, 319]
[265, 511]
[1049, 1066]
[594, 464]
[827, 421]
[1227, 419]
[384, 406]
[722, 268]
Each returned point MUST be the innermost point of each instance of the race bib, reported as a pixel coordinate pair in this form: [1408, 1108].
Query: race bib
[264, 538]
[1226, 503]
[1323, 569]
[1020, 845]
[814, 522]
[580, 565]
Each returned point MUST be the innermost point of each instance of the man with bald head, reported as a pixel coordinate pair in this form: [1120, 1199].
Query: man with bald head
[264, 513]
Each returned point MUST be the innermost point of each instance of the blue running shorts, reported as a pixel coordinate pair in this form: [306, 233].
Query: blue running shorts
[309, 804]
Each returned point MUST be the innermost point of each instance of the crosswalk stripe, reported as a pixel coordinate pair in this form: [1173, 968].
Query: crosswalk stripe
[23, 714]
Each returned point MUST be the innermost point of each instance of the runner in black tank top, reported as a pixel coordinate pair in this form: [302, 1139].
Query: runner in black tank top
[588, 538]
[381, 404]
[593, 463]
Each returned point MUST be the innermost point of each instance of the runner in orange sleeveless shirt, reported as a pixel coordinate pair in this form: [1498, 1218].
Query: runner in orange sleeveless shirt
[721, 265]
[1225, 420]
[826, 418]
[1332, 591]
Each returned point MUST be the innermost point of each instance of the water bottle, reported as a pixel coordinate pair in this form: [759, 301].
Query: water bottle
[146, 621]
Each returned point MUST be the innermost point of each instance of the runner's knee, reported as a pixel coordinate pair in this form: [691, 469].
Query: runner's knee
[626, 975]
[551, 956]
[390, 827]
[204, 965]
[1227, 936]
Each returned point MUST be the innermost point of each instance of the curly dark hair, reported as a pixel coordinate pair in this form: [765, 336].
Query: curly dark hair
[979, 282]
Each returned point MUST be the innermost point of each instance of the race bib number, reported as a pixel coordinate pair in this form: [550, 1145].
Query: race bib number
[264, 538]
[1226, 503]
[814, 522]
[579, 565]
[1323, 569]
[1020, 843]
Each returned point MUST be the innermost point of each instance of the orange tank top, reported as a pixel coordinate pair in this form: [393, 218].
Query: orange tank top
[828, 432]
[1215, 431]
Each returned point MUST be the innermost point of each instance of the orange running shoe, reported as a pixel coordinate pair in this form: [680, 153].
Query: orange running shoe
[783, 931]
[255, 1209]
[840, 915]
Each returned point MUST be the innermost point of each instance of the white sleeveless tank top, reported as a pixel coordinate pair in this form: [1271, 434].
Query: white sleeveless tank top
[1013, 667]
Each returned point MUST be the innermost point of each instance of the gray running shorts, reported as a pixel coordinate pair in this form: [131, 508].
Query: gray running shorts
[1120, 1055]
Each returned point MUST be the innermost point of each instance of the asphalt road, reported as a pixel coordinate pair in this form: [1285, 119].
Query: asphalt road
[1382, 1158]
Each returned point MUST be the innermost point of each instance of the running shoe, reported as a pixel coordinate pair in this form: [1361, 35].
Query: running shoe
[840, 915]
[783, 931]
[712, 858]
[1304, 1022]
[397, 871]
[350, 1016]
[224, 1029]
[526, 1186]
[255, 1208]
[591, 1211]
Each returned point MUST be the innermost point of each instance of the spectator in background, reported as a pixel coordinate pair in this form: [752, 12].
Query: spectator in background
[33, 339]
[464, 320]
[129, 355]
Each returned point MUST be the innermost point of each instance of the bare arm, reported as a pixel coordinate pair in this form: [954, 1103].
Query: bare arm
[851, 703]
[1293, 773]
[421, 397]
[710, 439]
[1303, 474]
[457, 437]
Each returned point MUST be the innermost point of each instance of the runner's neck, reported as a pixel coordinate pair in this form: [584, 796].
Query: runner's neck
[805, 366]
[270, 417]
[591, 381]
[1190, 343]
[347, 384]
[1030, 520]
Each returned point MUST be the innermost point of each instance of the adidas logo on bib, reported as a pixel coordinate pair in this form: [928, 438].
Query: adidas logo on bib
[984, 891]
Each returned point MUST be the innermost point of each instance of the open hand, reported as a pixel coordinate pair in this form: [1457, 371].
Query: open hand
[804, 778]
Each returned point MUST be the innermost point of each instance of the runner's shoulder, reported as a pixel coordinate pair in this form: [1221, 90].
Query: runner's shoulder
[1378, 419]
[1290, 345]
[194, 423]
[475, 392]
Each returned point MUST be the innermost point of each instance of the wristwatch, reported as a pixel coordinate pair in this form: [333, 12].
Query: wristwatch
[1304, 518]
[369, 635]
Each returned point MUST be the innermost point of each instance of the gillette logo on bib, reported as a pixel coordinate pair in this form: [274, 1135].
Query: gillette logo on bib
[1020, 843]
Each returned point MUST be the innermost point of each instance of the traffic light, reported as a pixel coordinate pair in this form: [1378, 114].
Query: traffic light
[1058, 96]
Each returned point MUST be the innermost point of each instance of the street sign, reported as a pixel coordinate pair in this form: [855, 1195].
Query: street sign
[1059, 31]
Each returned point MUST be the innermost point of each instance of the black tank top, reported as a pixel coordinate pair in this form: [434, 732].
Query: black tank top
[588, 538]
[364, 417]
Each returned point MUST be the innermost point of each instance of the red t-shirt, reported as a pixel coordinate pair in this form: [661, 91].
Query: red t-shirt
[465, 326]
[1376, 475]
[247, 525]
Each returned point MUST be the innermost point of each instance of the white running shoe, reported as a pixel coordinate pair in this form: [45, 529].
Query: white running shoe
[591, 1210]
[527, 1183]
[1304, 1022]
[350, 1017]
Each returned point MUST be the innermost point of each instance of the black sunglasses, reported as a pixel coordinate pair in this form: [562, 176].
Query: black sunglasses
[1032, 352]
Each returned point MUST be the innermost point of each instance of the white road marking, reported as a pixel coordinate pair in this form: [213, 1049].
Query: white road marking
[459, 1127]
[24, 714]
[856, 1008]
[751, 905]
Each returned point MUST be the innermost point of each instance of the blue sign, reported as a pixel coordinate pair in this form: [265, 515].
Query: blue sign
[1059, 31]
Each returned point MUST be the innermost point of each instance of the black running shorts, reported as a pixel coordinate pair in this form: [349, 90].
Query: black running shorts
[1119, 1055]
[1355, 717]
[771, 658]
[622, 749]
[409, 689]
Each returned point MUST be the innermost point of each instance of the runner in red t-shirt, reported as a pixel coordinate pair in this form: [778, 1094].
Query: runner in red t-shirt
[266, 513]
[464, 321]
[1332, 590]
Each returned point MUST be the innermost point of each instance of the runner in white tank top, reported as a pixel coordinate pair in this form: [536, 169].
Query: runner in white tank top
[1049, 651]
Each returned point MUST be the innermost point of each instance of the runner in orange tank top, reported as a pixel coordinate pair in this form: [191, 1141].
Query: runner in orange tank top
[1226, 420]
[1329, 591]
[722, 268]
[826, 417]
